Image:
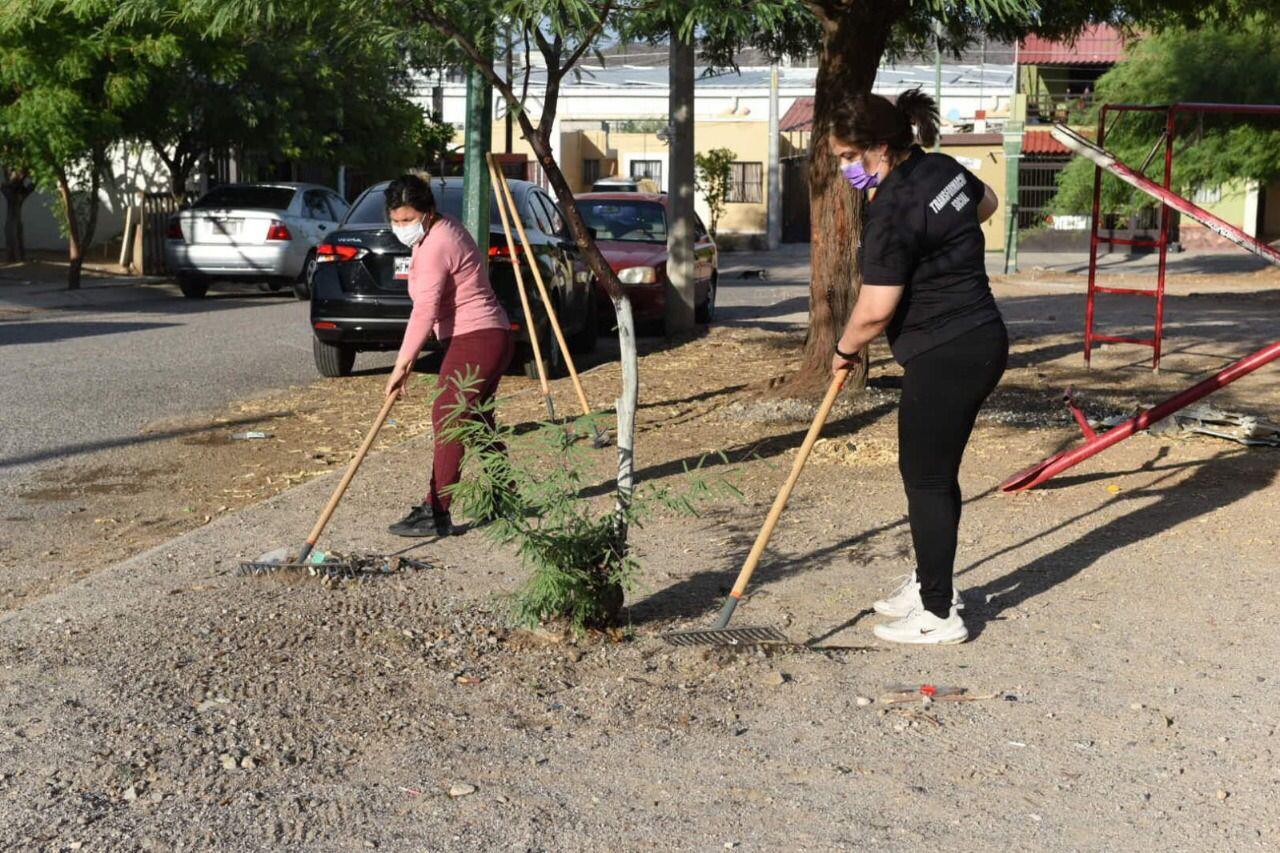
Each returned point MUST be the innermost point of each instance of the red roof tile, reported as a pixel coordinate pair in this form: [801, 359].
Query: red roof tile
[798, 117]
[1097, 45]
[1041, 142]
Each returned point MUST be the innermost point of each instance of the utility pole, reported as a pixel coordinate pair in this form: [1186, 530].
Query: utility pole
[510, 49]
[680, 273]
[478, 139]
[937, 73]
[1012, 160]
[775, 177]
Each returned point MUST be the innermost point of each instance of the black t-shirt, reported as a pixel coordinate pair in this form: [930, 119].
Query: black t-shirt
[922, 232]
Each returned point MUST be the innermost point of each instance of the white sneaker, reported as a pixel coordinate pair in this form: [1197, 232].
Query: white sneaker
[921, 626]
[906, 598]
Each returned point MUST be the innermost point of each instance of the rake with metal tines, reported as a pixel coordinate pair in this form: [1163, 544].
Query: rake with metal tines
[283, 558]
[720, 634]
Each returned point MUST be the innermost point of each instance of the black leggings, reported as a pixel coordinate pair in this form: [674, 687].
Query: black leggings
[942, 390]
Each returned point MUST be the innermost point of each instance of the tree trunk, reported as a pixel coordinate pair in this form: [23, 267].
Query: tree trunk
[681, 289]
[74, 249]
[17, 188]
[853, 41]
[626, 407]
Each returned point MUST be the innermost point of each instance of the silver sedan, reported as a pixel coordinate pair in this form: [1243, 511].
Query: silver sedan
[259, 232]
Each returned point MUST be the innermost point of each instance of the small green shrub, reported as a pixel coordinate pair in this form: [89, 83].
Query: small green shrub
[526, 489]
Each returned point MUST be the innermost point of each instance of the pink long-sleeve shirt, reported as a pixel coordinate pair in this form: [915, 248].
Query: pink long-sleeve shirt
[450, 289]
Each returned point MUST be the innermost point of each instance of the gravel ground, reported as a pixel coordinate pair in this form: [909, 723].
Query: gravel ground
[1121, 679]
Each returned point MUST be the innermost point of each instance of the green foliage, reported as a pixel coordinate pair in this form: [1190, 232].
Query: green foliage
[714, 180]
[527, 487]
[433, 141]
[1224, 63]
[66, 84]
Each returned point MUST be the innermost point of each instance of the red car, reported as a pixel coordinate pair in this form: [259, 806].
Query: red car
[631, 231]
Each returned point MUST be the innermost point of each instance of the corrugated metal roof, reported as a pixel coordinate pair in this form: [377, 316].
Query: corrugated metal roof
[1099, 44]
[890, 78]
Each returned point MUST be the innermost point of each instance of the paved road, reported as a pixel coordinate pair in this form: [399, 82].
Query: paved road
[83, 372]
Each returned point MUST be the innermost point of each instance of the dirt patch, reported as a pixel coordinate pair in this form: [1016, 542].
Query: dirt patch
[1119, 668]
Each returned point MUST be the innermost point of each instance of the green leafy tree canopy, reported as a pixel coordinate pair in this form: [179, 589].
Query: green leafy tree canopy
[1236, 62]
[714, 180]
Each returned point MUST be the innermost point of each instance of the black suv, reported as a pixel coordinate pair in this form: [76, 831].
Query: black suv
[360, 297]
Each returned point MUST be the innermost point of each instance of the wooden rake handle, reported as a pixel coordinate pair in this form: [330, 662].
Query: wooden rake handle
[542, 290]
[352, 467]
[784, 494]
[495, 178]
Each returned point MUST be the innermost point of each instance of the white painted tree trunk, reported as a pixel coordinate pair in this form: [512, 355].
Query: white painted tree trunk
[626, 407]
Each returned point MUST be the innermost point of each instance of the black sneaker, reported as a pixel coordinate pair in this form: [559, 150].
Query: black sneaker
[422, 521]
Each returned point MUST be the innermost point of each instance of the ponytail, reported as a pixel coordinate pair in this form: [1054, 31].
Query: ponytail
[921, 111]
[869, 120]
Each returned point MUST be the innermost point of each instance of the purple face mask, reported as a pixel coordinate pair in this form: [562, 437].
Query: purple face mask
[858, 177]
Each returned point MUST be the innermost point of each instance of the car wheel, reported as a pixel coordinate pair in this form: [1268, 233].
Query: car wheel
[302, 285]
[585, 340]
[333, 360]
[706, 312]
[192, 287]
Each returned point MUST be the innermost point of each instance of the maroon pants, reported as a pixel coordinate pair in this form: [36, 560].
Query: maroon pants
[484, 356]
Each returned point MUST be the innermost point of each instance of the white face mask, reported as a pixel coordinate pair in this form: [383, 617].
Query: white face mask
[409, 234]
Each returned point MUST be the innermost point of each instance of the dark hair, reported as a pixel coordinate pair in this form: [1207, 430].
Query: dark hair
[411, 191]
[869, 120]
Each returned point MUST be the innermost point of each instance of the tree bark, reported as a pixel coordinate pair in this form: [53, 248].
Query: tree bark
[16, 189]
[853, 41]
[681, 288]
[74, 249]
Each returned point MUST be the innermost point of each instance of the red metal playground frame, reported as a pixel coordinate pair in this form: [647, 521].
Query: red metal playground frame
[1161, 243]
[1097, 442]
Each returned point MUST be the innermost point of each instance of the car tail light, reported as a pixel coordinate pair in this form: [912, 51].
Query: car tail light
[278, 231]
[504, 252]
[328, 253]
[325, 324]
[174, 231]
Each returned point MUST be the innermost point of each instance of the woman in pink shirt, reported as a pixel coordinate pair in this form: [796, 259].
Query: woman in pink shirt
[452, 297]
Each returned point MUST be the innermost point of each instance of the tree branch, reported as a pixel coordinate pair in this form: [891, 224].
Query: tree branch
[590, 37]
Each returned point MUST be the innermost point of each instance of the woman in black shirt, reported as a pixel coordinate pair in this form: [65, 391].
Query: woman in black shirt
[924, 285]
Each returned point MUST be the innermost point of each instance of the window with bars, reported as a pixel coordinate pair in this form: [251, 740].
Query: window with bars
[590, 170]
[647, 169]
[746, 183]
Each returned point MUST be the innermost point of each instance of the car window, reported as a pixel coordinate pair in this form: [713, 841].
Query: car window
[699, 230]
[625, 220]
[533, 214]
[337, 205]
[371, 207]
[315, 206]
[554, 219]
[250, 196]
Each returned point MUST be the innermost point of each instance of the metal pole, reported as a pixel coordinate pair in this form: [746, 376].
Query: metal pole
[479, 137]
[937, 73]
[1165, 213]
[510, 49]
[774, 212]
[1092, 295]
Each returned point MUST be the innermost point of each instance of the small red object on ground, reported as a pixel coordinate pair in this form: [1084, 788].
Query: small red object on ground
[928, 690]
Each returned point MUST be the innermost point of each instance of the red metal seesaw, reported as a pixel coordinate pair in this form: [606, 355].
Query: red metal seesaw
[1098, 442]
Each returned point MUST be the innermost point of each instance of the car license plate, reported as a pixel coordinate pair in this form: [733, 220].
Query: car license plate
[402, 267]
